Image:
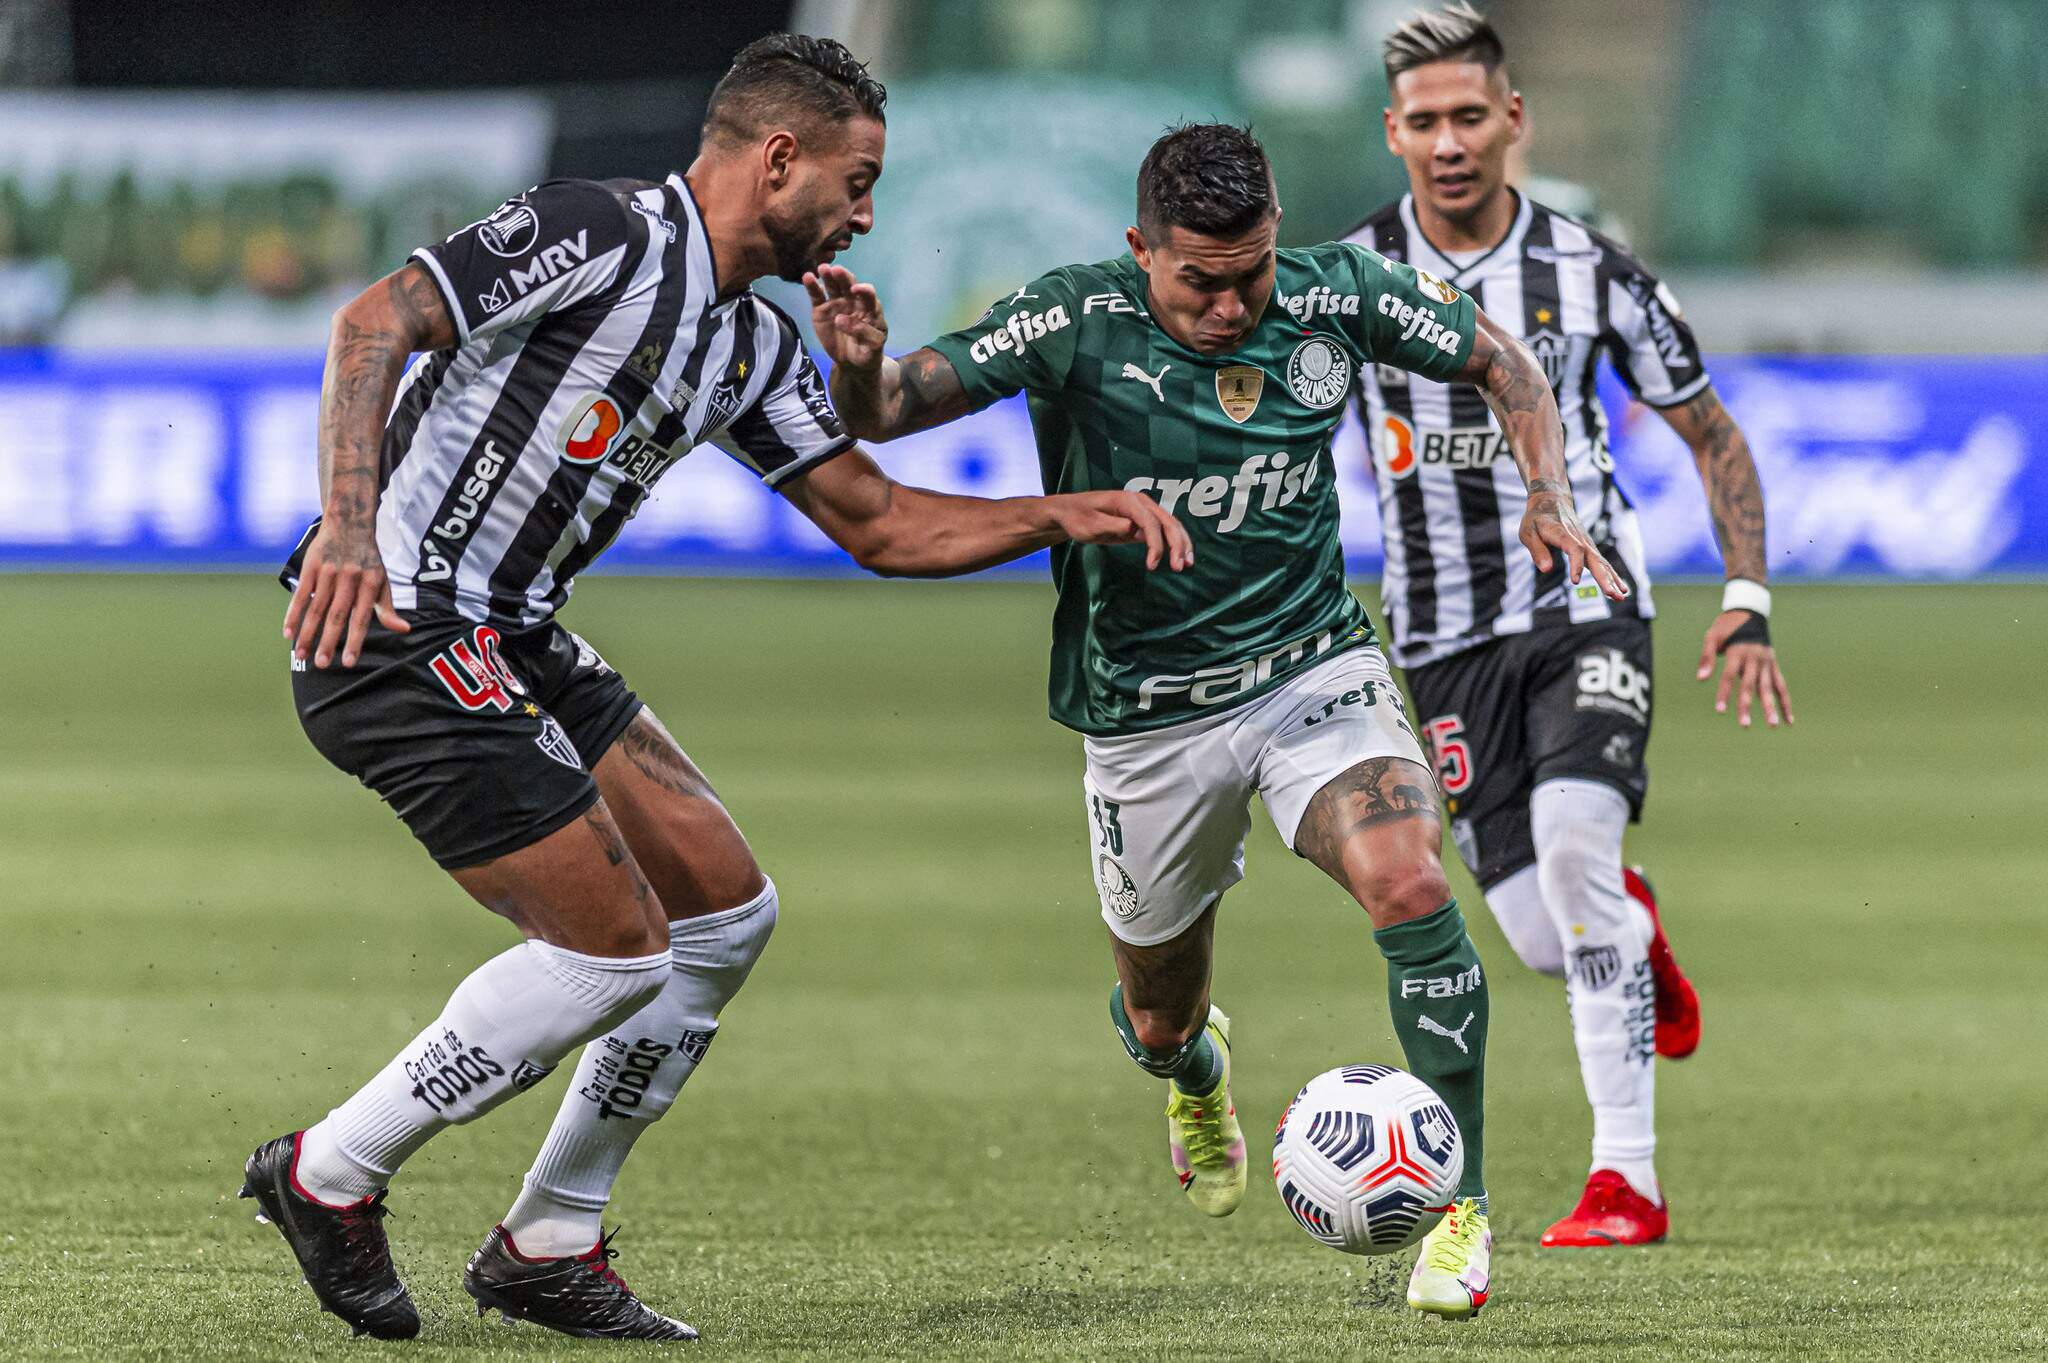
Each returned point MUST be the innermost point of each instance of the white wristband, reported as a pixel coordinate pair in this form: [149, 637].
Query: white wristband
[1743, 595]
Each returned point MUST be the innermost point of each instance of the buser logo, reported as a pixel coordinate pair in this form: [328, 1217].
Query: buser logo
[1022, 329]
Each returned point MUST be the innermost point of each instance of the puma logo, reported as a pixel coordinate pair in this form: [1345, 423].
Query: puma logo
[1132, 371]
[1430, 1024]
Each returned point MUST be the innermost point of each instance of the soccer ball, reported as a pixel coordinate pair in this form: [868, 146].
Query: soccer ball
[1366, 1158]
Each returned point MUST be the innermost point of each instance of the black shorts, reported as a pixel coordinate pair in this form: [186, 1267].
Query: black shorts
[481, 739]
[1505, 716]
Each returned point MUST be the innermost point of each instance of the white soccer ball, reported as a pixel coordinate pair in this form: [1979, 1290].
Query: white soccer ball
[1367, 1158]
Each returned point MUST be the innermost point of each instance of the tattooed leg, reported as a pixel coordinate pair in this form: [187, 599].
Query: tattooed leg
[1374, 830]
[1165, 987]
[679, 832]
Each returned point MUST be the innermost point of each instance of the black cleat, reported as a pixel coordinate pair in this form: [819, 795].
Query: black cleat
[341, 1250]
[577, 1295]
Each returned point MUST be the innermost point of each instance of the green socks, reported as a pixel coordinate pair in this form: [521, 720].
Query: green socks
[1196, 1068]
[1437, 994]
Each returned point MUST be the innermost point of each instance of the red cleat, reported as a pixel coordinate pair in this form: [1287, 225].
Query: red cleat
[1610, 1212]
[1678, 1003]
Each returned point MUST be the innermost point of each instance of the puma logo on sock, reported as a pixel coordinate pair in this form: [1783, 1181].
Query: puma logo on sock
[1430, 1024]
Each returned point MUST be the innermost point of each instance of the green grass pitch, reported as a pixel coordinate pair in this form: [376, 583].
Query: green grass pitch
[918, 1136]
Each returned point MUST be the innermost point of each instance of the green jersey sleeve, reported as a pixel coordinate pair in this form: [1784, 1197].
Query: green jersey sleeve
[1411, 319]
[1025, 341]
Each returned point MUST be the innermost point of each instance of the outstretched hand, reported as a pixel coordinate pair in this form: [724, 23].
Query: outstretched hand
[1124, 518]
[847, 315]
[1751, 666]
[1550, 523]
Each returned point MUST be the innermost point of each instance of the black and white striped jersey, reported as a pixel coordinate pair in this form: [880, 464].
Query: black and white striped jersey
[593, 353]
[1451, 499]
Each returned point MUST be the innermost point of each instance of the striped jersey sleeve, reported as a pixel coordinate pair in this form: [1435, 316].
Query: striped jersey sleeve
[1648, 338]
[791, 428]
[558, 244]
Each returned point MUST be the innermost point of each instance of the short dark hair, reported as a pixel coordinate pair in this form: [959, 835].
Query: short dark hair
[1211, 178]
[1455, 33]
[790, 78]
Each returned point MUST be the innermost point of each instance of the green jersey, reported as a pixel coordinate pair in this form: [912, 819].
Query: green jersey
[1237, 446]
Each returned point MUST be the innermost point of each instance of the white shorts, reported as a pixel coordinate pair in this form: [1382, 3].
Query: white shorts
[1170, 808]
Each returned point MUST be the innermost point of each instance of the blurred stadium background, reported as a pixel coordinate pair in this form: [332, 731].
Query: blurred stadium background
[1848, 196]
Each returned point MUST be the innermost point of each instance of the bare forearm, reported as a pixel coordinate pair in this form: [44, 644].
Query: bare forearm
[898, 397]
[865, 399]
[367, 349]
[1735, 498]
[363, 368]
[1521, 401]
[931, 534]
[1518, 394]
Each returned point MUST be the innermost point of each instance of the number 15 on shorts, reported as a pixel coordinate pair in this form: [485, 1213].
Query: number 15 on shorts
[1453, 755]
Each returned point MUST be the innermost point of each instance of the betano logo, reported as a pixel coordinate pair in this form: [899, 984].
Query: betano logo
[1402, 448]
[586, 435]
[1278, 484]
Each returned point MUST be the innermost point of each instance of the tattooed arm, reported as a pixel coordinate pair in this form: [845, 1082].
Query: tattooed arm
[878, 398]
[341, 584]
[1735, 503]
[1514, 387]
[1735, 499]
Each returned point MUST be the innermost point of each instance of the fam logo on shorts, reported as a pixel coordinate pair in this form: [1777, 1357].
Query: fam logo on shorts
[1119, 895]
[1319, 372]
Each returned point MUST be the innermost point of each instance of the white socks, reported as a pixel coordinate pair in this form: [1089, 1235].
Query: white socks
[1603, 938]
[1525, 920]
[503, 1030]
[628, 1078]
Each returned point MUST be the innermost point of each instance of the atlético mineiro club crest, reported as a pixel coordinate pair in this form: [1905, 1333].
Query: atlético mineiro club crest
[555, 743]
[1550, 353]
[1237, 390]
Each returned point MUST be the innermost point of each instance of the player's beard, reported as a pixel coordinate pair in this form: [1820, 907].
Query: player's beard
[798, 240]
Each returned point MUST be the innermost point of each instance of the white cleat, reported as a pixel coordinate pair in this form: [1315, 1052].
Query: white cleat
[1454, 1273]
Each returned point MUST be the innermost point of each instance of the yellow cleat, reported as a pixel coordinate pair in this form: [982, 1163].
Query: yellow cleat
[1207, 1142]
[1453, 1275]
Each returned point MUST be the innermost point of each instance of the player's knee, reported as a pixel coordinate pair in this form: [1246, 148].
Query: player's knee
[632, 928]
[1403, 894]
[1577, 828]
